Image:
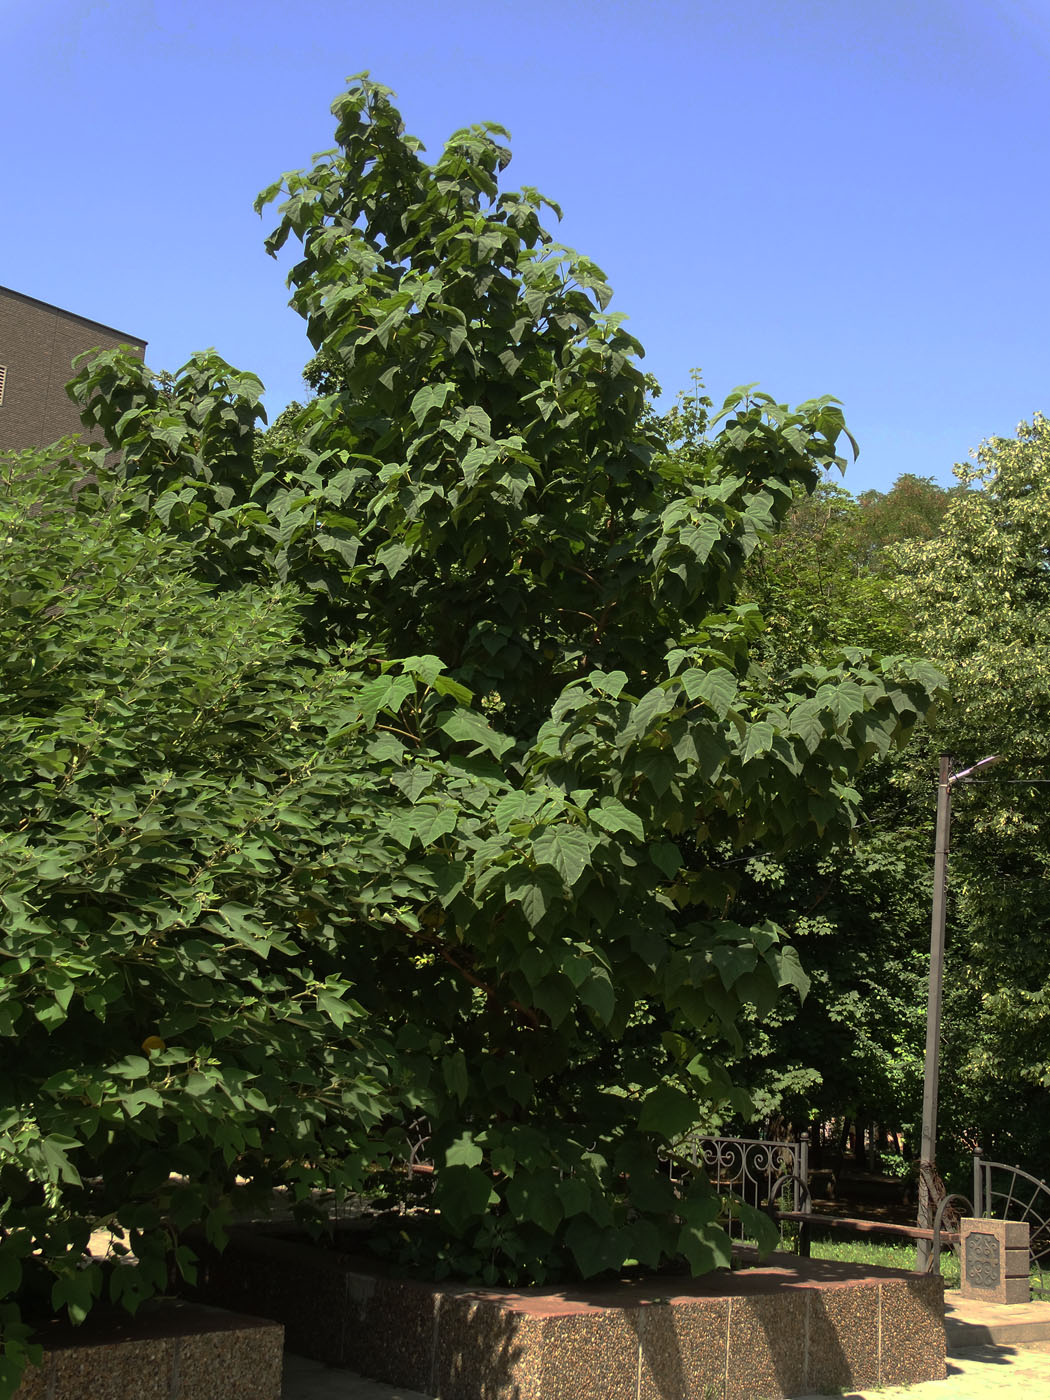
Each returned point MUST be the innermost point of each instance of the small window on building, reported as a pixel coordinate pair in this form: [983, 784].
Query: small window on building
[3, 376]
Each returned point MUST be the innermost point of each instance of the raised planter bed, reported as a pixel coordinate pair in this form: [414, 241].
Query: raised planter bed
[795, 1327]
[168, 1351]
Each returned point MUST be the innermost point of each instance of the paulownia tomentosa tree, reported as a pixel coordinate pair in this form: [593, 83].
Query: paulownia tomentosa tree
[556, 733]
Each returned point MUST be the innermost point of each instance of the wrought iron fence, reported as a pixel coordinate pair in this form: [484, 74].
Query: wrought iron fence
[758, 1170]
[1003, 1192]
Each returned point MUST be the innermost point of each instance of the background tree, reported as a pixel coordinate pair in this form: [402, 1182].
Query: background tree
[980, 591]
[823, 583]
[860, 913]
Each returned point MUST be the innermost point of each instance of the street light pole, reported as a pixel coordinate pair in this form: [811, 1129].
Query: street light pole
[931, 1077]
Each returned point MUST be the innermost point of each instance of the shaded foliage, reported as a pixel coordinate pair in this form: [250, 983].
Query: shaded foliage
[859, 914]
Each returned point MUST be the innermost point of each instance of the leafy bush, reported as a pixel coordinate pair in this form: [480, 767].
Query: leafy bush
[183, 801]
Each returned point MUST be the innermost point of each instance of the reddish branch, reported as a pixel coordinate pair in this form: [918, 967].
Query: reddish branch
[526, 1012]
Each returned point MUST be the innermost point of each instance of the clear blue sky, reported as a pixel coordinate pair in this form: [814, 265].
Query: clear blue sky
[826, 196]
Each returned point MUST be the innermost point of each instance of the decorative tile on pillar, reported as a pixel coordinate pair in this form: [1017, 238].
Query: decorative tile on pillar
[995, 1260]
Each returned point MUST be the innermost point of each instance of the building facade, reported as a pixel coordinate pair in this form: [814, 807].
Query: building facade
[38, 343]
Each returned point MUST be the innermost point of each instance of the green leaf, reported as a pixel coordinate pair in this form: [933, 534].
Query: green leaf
[454, 1073]
[10, 1271]
[464, 1152]
[668, 1111]
[333, 1006]
[595, 1248]
[599, 994]
[718, 687]
[432, 828]
[428, 398]
[790, 972]
[733, 962]
[463, 1194]
[535, 1199]
[75, 1292]
[758, 1226]
[393, 558]
[760, 738]
[414, 781]
[666, 856]
[807, 724]
[609, 682]
[705, 1247]
[613, 816]
[650, 707]
[537, 891]
[130, 1067]
[465, 726]
[443, 685]
[574, 1195]
[555, 997]
[566, 848]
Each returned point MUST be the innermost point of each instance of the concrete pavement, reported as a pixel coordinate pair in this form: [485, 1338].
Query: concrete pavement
[313, 1380]
[982, 1373]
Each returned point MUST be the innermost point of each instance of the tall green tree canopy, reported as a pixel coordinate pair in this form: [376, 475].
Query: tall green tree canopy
[498, 730]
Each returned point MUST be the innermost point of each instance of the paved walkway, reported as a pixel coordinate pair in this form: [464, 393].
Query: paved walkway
[313, 1380]
[979, 1374]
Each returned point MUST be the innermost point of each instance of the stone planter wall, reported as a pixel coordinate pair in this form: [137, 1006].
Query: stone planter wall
[169, 1351]
[802, 1326]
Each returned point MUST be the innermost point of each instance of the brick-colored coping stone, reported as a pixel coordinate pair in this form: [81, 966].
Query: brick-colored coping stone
[798, 1327]
[168, 1351]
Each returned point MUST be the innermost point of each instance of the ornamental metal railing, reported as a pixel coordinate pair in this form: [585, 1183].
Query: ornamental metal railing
[1003, 1192]
[758, 1170]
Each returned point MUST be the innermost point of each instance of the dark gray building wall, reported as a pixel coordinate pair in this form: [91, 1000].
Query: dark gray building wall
[37, 345]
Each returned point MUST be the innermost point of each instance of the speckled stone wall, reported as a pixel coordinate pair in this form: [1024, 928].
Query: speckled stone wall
[172, 1352]
[803, 1326]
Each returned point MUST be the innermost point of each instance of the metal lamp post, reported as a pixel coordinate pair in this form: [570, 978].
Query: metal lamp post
[928, 1150]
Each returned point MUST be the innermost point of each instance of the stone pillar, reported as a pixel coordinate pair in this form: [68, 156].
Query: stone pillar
[995, 1260]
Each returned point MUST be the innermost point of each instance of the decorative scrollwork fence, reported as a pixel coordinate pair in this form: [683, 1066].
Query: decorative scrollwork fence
[758, 1170]
[762, 1172]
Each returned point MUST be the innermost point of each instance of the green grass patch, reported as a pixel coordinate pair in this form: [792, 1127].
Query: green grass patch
[886, 1256]
[898, 1254]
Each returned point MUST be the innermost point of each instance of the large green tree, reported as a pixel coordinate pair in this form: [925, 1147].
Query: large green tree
[485, 774]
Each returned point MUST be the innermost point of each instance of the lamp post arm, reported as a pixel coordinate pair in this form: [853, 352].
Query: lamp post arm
[974, 768]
